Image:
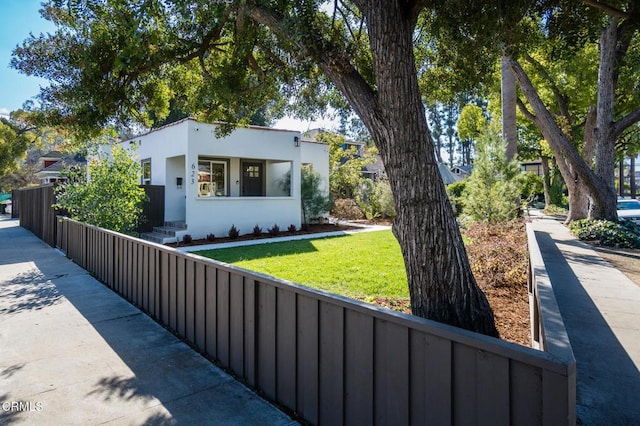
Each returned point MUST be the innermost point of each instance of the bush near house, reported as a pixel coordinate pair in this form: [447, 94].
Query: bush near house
[111, 198]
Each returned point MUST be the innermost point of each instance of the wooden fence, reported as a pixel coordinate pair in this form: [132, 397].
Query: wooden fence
[34, 207]
[329, 359]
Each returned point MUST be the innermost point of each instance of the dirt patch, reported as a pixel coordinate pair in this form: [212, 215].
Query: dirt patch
[625, 260]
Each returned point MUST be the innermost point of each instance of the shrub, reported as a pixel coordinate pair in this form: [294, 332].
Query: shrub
[211, 237]
[234, 232]
[274, 230]
[623, 234]
[292, 228]
[346, 208]
[186, 238]
[553, 210]
[257, 231]
[384, 199]
[455, 191]
[492, 193]
[498, 253]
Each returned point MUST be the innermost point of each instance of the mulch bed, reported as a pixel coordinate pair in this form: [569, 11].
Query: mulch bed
[310, 229]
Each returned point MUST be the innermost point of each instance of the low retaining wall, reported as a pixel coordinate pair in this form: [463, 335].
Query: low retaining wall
[329, 359]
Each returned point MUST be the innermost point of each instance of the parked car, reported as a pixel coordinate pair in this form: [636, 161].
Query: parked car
[629, 210]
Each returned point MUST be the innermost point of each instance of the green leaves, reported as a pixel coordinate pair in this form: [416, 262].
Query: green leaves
[107, 194]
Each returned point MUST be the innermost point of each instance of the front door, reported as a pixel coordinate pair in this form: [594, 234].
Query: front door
[252, 179]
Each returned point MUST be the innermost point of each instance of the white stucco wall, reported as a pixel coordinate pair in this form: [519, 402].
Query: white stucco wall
[174, 152]
[317, 154]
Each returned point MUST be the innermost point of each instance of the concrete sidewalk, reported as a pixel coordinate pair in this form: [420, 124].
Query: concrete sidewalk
[73, 352]
[600, 307]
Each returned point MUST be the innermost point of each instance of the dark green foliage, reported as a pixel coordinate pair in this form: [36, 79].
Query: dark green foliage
[491, 193]
[274, 230]
[625, 234]
[530, 185]
[292, 228]
[187, 238]
[211, 237]
[234, 232]
[315, 202]
[257, 231]
[455, 192]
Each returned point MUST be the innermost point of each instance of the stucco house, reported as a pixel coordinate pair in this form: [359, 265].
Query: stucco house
[212, 183]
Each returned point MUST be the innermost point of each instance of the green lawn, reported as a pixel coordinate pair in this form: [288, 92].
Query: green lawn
[366, 264]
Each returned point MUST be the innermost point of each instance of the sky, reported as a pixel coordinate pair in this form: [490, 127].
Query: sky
[18, 19]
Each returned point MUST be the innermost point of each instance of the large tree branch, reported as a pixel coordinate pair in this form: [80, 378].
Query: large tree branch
[626, 121]
[525, 111]
[606, 8]
[561, 100]
[331, 60]
[558, 141]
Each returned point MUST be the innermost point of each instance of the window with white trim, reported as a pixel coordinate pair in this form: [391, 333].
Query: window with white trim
[146, 171]
[212, 178]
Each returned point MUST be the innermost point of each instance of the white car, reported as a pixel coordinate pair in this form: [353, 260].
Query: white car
[629, 210]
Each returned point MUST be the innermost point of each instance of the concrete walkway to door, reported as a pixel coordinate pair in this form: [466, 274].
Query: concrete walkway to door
[600, 307]
[73, 352]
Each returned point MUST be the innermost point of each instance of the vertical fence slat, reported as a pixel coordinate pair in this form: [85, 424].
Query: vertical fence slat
[190, 301]
[308, 353]
[526, 401]
[200, 318]
[181, 296]
[267, 340]
[222, 310]
[286, 347]
[211, 316]
[250, 307]
[358, 369]
[431, 372]
[391, 373]
[236, 323]
[331, 364]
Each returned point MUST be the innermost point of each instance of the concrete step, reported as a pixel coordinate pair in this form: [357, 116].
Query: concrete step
[167, 230]
[176, 224]
[156, 237]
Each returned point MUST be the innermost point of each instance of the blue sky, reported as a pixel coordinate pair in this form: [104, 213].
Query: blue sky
[18, 18]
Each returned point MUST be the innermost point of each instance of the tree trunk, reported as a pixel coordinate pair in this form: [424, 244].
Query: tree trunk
[603, 202]
[579, 173]
[441, 284]
[546, 180]
[508, 92]
[632, 176]
[621, 177]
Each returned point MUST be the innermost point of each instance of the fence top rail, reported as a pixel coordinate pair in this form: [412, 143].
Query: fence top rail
[545, 360]
[556, 339]
[32, 188]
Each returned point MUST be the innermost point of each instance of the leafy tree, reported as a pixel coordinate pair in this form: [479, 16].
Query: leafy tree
[471, 123]
[492, 193]
[120, 59]
[107, 194]
[345, 165]
[16, 135]
[314, 201]
[614, 108]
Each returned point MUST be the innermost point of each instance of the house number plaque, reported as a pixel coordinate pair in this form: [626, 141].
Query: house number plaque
[193, 173]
